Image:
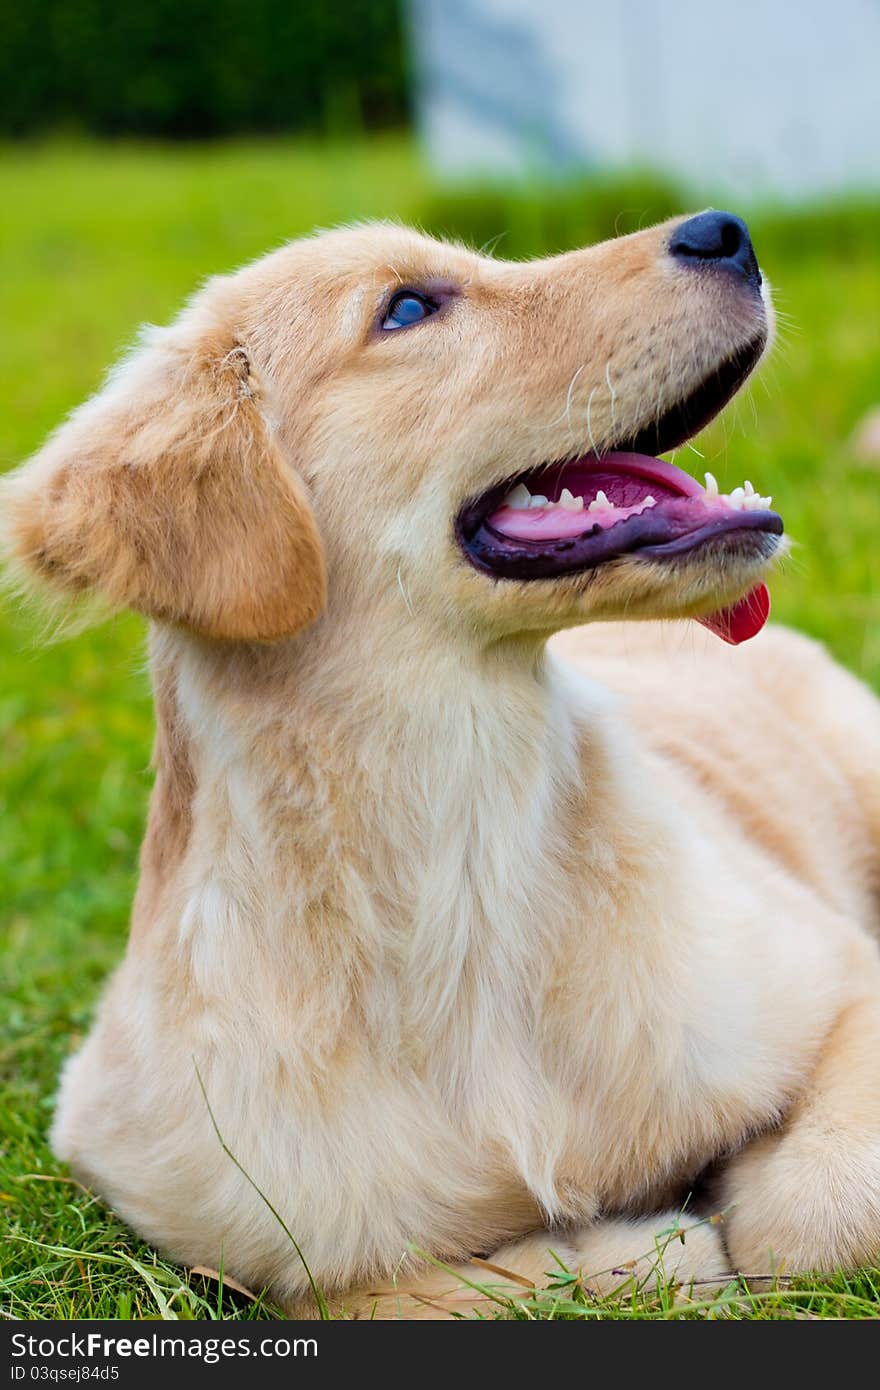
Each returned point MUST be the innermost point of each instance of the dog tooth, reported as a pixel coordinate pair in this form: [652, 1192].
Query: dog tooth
[749, 490]
[599, 502]
[538, 501]
[712, 485]
[519, 498]
[571, 504]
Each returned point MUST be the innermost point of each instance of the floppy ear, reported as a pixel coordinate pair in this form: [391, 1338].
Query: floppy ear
[167, 493]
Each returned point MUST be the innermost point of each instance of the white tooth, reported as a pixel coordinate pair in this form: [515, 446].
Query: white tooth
[737, 498]
[538, 501]
[755, 503]
[750, 491]
[600, 503]
[649, 502]
[519, 498]
[711, 485]
[571, 504]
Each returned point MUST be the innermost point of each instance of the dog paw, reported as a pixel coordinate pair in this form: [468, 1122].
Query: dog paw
[796, 1203]
[615, 1255]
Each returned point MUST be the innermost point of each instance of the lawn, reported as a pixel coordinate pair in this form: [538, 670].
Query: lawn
[93, 242]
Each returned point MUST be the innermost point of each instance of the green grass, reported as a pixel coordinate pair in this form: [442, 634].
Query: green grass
[94, 241]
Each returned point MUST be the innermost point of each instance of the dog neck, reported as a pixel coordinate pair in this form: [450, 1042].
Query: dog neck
[427, 816]
[423, 727]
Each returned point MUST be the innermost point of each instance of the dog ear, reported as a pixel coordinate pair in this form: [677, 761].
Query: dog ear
[167, 493]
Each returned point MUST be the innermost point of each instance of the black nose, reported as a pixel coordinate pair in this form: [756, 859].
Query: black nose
[717, 239]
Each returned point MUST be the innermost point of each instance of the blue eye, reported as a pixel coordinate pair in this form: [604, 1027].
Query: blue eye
[406, 308]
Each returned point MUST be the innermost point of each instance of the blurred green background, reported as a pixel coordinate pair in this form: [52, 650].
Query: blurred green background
[185, 68]
[98, 237]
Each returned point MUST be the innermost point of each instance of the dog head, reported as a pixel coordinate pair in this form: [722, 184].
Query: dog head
[371, 419]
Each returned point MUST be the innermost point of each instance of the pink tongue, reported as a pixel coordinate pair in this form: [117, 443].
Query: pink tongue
[742, 620]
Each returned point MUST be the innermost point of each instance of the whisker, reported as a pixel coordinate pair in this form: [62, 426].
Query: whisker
[567, 411]
[611, 390]
[589, 421]
[409, 607]
[488, 247]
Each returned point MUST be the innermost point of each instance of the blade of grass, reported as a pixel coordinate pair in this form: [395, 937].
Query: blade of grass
[321, 1302]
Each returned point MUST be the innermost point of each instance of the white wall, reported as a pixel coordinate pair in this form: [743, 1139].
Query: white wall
[747, 97]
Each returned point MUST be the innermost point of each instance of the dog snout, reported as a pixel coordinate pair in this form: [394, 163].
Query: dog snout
[717, 240]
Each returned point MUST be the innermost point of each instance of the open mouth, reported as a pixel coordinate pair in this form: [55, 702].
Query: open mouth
[565, 518]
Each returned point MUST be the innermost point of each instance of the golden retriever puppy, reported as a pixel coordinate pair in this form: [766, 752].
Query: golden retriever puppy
[472, 942]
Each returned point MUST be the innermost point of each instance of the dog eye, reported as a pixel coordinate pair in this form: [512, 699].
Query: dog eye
[407, 308]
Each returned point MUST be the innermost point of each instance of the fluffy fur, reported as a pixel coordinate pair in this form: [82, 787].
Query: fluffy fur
[481, 945]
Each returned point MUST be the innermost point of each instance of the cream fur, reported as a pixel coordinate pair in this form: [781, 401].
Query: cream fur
[480, 945]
